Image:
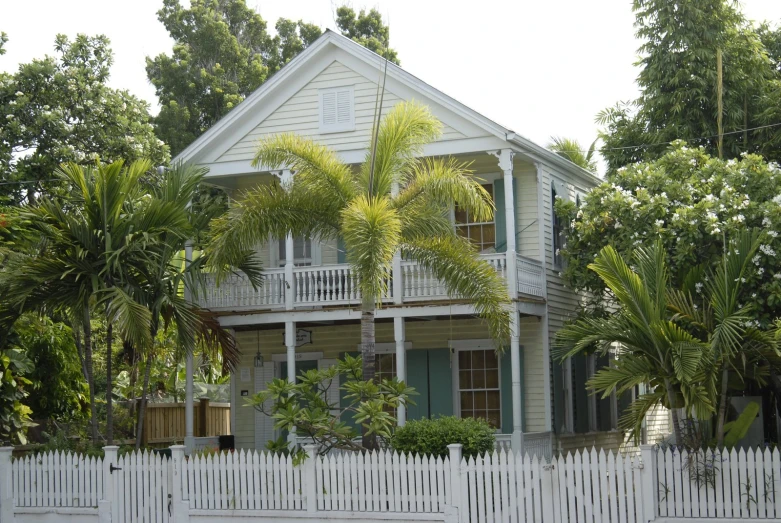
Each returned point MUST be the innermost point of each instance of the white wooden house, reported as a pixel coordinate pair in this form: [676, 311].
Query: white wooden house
[306, 315]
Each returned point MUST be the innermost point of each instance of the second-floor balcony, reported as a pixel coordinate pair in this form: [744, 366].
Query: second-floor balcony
[335, 286]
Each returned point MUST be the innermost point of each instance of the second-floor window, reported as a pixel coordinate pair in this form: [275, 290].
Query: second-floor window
[558, 232]
[302, 252]
[481, 234]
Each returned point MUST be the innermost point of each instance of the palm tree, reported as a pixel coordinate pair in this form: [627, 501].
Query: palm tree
[653, 349]
[394, 202]
[161, 283]
[88, 247]
[715, 314]
[574, 152]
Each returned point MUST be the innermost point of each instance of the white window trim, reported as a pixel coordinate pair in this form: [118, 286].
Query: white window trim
[337, 127]
[591, 370]
[300, 356]
[476, 344]
[276, 262]
[386, 348]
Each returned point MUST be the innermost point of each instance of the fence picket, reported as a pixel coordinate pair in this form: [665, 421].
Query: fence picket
[768, 494]
[735, 483]
[776, 467]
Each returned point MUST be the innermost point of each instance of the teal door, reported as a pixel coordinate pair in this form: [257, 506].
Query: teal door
[301, 366]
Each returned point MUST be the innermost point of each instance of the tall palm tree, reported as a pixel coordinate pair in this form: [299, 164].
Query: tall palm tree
[394, 202]
[572, 150]
[88, 247]
[654, 350]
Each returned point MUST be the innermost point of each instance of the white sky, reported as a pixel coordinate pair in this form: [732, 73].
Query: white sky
[541, 68]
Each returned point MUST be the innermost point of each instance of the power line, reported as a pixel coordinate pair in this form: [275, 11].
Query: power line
[668, 143]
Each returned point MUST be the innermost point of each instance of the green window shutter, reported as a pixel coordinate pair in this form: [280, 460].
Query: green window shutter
[505, 367]
[501, 224]
[347, 417]
[580, 394]
[417, 376]
[341, 251]
[440, 383]
[499, 215]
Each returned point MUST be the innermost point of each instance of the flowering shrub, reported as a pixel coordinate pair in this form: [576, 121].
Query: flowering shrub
[691, 201]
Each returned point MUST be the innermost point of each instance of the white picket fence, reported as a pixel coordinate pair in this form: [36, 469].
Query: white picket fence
[584, 487]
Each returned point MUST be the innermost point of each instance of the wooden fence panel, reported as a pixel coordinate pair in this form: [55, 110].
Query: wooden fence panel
[165, 422]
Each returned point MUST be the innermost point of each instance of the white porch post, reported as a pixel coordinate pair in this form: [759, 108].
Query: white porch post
[286, 176]
[515, 367]
[290, 344]
[401, 364]
[189, 435]
[398, 288]
[505, 157]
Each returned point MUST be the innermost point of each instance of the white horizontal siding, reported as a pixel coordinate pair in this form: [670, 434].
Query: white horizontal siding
[300, 114]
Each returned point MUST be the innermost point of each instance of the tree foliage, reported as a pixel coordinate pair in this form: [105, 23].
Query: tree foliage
[223, 51]
[304, 407]
[14, 414]
[574, 152]
[430, 437]
[678, 84]
[61, 109]
[689, 201]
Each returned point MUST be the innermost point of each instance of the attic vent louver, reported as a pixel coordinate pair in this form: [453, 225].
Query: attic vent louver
[336, 109]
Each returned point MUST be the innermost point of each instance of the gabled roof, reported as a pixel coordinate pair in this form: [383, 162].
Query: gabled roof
[243, 111]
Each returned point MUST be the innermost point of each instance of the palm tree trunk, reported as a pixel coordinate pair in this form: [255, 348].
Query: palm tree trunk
[674, 411]
[367, 354]
[142, 407]
[90, 375]
[109, 386]
[722, 408]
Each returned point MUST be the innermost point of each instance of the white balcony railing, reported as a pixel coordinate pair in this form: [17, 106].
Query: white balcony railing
[335, 285]
[538, 444]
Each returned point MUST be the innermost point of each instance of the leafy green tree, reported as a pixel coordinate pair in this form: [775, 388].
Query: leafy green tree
[304, 406]
[366, 28]
[574, 152]
[58, 390]
[678, 83]
[61, 109]
[14, 414]
[223, 51]
[327, 200]
[690, 201]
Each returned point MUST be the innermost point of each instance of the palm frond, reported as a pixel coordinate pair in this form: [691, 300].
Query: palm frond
[454, 262]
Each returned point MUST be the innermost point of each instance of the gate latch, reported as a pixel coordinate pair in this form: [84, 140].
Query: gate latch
[112, 468]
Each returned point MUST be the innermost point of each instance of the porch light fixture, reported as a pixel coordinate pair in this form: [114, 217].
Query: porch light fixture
[258, 355]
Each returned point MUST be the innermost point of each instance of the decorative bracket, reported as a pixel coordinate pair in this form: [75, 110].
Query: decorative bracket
[505, 157]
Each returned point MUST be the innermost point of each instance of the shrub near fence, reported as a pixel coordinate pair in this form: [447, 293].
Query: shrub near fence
[587, 487]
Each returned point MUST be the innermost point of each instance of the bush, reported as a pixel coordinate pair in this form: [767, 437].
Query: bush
[432, 436]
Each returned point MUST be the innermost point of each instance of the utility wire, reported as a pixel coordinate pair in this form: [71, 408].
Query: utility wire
[668, 143]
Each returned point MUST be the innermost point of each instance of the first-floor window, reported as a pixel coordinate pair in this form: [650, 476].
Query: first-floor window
[384, 366]
[478, 385]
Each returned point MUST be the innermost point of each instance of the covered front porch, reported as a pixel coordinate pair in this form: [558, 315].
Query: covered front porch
[449, 360]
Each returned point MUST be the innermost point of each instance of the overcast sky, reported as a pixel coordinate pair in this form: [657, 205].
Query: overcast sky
[541, 68]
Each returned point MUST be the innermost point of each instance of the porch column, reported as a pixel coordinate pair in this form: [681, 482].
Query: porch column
[515, 365]
[189, 439]
[505, 157]
[286, 177]
[398, 289]
[401, 364]
[290, 344]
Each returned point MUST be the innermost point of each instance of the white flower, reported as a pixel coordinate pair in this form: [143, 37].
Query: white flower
[766, 222]
[767, 250]
[659, 223]
[777, 199]
[739, 218]
[19, 93]
[777, 276]
[772, 234]
[698, 287]
[9, 117]
[753, 294]
[756, 259]
[761, 270]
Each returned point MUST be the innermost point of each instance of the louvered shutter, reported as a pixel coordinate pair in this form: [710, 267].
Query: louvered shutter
[336, 109]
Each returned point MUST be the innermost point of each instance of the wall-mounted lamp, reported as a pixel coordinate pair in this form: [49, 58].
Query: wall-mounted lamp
[258, 355]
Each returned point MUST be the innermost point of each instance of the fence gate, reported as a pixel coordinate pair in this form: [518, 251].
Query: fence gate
[142, 488]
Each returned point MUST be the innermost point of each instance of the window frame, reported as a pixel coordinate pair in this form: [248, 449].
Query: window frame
[278, 261]
[457, 346]
[337, 127]
[457, 226]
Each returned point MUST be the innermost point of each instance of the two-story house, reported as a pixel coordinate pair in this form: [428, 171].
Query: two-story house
[306, 314]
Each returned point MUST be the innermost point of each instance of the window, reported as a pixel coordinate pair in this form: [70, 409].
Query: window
[478, 385]
[336, 110]
[481, 234]
[384, 366]
[302, 252]
[558, 232]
